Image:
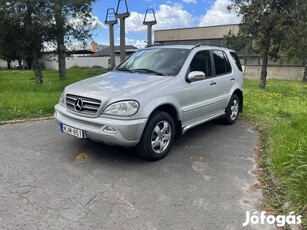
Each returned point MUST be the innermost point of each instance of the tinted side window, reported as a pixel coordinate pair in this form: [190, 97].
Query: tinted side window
[202, 62]
[221, 62]
[237, 60]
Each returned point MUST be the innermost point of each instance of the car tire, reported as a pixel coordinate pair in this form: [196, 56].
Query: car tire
[232, 110]
[157, 137]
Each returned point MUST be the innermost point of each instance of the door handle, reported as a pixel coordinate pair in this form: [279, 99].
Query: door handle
[213, 83]
[232, 79]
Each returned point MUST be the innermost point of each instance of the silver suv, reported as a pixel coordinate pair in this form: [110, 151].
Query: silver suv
[154, 95]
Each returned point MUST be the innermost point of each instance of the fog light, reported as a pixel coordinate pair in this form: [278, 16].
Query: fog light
[109, 129]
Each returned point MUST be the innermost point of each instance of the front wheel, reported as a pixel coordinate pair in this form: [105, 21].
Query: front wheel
[157, 137]
[232, 110]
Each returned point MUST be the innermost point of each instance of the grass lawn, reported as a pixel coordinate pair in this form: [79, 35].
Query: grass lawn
[21, 97]
[279, 111]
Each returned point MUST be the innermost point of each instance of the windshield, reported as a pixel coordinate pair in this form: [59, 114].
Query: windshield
[160, 61]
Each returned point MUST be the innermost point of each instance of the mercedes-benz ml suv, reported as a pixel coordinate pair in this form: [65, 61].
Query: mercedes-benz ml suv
[154, 95]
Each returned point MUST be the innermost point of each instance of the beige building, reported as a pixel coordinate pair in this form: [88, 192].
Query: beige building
[208, 35]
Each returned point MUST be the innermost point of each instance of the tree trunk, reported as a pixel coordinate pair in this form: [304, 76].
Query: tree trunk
[36, 67]
[8, 64]
[20, 64]
[264, 67]
[59, 19]
[62, 59]
[305, 74]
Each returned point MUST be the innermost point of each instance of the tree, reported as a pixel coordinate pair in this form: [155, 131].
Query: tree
[73, 20]
[261, 21]
[10, 38]
[24, 28]
[294, 44]
[28, 24]
[34, 18]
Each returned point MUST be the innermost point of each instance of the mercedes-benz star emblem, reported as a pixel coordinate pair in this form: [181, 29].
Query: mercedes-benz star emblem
[79, 105]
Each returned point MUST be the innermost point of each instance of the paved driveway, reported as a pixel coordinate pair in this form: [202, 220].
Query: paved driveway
[48, 183]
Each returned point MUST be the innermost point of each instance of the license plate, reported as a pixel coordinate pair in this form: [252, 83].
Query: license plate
[72, 131]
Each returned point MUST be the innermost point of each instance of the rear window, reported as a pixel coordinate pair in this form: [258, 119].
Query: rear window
[237, 60]
[222, 65]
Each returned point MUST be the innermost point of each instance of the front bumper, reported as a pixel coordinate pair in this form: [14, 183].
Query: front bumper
[128, 132]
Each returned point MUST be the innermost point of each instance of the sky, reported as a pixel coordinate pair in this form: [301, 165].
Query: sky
[170, 14]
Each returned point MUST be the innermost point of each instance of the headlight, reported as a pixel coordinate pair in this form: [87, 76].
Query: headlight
[122, 108]
[61, 101]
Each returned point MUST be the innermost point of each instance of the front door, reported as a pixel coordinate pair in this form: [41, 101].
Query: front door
[199, 97]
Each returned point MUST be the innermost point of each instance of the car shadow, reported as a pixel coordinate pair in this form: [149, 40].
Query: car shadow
[101, 152]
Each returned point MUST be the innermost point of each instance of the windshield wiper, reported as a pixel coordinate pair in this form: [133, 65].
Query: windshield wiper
[124, 69]
[148, 71]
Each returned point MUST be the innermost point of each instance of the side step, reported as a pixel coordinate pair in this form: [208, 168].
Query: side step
[192, 125]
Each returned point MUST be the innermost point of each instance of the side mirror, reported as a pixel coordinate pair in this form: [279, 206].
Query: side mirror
[196, 76]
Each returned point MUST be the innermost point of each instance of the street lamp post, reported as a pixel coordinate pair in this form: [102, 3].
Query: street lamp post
[122, 16]
[111, 22]
[149, 24]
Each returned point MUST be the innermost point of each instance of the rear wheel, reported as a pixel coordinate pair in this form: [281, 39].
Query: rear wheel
[232, 110]
[157, 137]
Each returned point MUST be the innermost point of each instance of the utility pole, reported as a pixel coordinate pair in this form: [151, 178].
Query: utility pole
[111, 21]
[149, 24]
[122, 16]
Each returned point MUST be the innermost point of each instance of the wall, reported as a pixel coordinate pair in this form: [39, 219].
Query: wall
[3, 64]
[50, 61]
[276, 72]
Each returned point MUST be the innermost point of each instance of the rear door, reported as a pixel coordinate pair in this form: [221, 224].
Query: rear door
[223, 78]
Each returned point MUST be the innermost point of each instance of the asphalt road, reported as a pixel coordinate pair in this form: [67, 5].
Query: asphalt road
[204, 183]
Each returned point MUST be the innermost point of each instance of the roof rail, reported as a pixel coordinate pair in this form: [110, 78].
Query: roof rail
[208, 44]
[155, 44]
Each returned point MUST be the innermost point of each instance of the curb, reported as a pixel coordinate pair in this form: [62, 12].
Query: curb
[11, 122]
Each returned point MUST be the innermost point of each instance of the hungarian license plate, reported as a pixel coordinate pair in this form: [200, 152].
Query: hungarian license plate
[72, 131]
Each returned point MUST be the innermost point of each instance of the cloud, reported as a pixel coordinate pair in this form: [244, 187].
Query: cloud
[219, 15]
[82, 21]
[131, 41]
[190, 1]
[135, 22]
[168, 17]
[98, 24]
[136, 42]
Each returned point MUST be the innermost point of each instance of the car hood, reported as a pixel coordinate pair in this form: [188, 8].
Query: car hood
[115, 84]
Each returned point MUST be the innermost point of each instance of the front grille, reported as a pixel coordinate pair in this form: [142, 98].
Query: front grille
[88, 106]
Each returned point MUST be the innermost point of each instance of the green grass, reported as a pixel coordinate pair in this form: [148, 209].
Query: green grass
[21, 97]
[280, 112]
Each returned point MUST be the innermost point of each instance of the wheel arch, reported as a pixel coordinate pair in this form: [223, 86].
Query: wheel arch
[239, 93]
[172, 111]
